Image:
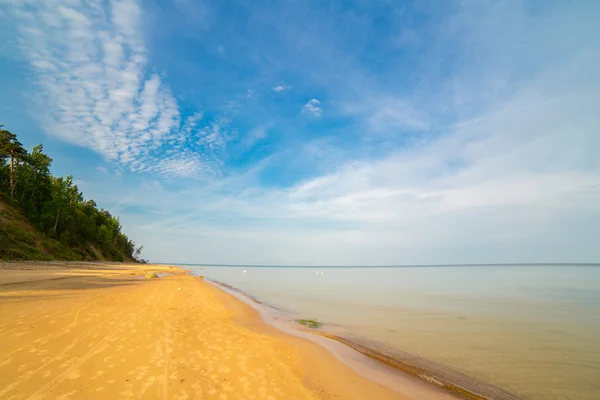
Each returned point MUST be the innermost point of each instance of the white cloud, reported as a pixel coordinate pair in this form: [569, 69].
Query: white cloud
[519, 182]
[281, 88]
[215, 135]
[192, 122]
[89, 62]
[505, 168]
[184, 165]
[313, 106]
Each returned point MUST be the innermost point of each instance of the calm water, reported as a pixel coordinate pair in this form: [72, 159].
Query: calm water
[532, 330]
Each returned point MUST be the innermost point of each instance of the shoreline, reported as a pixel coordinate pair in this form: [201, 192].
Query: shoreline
[430, 373]
[99, 330]
[469, 389]
[405, 385]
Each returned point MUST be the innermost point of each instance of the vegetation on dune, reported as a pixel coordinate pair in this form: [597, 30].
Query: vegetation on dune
[311, 323]
[43, 217]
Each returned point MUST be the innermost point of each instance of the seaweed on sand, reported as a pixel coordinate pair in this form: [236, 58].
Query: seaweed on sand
[311, 323]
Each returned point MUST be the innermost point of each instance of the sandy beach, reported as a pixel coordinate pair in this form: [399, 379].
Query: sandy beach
[83, 331]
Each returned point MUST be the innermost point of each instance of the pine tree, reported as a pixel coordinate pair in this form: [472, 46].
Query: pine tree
[10, 146]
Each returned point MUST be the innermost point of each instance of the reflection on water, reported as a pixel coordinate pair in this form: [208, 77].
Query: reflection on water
[532, 330]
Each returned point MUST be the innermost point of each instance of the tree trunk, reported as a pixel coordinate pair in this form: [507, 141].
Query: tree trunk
[12, 182]
[56, 222]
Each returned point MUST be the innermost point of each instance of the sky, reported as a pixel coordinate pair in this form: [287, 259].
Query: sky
[319, 132]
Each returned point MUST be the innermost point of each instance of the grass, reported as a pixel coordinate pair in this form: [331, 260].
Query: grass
[19, 244]
[310, 323]
[19, 240]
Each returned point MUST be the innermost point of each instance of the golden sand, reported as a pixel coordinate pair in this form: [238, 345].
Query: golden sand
[94, 331]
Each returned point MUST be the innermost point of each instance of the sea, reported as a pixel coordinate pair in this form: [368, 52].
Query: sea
[508, 331]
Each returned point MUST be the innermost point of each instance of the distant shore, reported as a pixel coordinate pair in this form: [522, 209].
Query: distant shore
[102, 330]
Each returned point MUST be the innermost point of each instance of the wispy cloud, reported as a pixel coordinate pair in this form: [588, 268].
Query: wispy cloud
[103, 170]
[384, 114]
[90, 64]
[447, 137]
[509, 177]
[257, 134]
[313, 106]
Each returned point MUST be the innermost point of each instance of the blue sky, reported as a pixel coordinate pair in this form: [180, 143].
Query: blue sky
[319, 133]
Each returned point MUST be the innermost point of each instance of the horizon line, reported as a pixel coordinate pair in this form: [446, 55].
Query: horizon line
[381, 266]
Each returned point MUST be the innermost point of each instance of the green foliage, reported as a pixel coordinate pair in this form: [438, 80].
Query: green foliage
[73, 228]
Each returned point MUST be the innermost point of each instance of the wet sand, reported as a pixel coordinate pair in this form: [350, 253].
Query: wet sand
[71, 331]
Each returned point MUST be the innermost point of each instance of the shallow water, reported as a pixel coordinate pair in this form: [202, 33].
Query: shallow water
[531, 330]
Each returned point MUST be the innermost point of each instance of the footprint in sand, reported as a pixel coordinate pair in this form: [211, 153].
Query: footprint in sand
[97, 374]
[66, 395]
